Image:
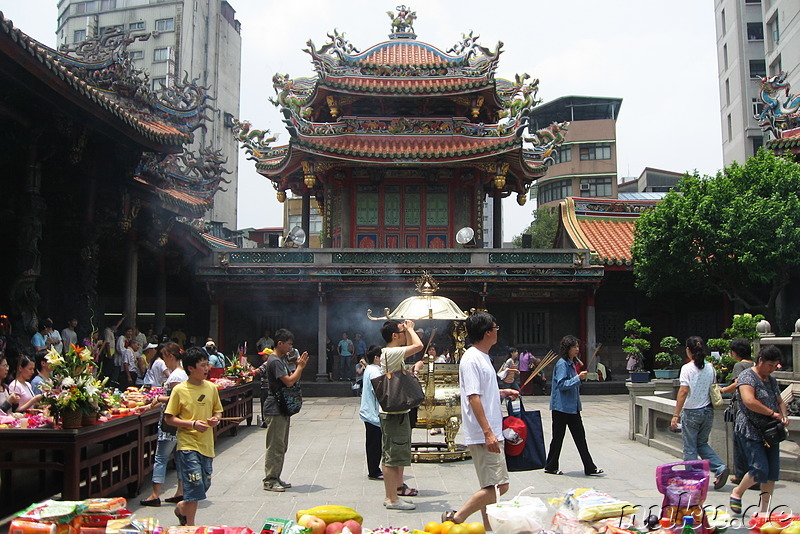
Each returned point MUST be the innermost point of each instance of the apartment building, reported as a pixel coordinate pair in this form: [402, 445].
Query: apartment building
[196, 38]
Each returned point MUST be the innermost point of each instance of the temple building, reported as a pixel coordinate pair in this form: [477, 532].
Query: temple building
[398, 146]
[102, 201]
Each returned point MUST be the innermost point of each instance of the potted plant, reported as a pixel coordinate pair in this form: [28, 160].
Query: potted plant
[669, 362]
[634, 345]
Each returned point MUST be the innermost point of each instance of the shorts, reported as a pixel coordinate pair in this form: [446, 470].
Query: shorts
[396, 439]
[763, 463]
[489, 466]
[195, 473]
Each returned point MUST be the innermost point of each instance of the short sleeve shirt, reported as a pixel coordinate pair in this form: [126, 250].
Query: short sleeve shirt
[346, 347]
[699, 382]
[476, 376]
[190, 403]
[273, 369]
[766, 393]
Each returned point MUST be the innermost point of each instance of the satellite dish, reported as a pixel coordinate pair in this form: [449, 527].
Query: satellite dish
[466, 237]
[295, 238]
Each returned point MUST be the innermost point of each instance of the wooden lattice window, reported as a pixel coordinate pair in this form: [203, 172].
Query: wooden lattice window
[532, 327]
[367, 209]
[438, 209]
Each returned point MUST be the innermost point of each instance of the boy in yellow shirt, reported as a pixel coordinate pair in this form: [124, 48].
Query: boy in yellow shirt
[194, 407]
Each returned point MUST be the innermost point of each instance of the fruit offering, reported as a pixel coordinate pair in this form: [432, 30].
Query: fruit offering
[449, 527]
[331, 513]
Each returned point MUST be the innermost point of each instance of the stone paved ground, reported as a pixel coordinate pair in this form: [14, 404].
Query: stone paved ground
[325, 463]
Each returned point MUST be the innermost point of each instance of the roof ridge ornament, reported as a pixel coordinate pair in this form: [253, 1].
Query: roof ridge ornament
[402, 23]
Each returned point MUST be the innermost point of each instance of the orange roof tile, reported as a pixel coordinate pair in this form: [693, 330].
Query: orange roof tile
[410, 146]
[405, 54]
[405, 85]
[610, 239]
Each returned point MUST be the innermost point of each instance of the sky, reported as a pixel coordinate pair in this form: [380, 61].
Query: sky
[659, 57]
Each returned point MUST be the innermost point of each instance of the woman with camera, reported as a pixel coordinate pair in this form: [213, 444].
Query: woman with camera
[758, 421]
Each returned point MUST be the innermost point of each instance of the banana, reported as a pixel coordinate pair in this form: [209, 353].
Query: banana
[331, 513]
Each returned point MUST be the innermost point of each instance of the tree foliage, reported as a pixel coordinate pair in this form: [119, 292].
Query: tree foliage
[735, 233]
[542, 229]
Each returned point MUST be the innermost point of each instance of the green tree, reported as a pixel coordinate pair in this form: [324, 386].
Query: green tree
[542, 229]
[735, 233]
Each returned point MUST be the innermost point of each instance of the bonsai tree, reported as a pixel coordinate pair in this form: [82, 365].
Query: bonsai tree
[744, 326]
[723, 346]
[634, 344]
[669, 359]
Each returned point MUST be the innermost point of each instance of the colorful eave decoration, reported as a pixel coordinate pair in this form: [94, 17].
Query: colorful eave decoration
[403, 66]
[780, 114]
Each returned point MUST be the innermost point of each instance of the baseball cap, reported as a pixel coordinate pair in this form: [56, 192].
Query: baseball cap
[151, 346]
[515, 433]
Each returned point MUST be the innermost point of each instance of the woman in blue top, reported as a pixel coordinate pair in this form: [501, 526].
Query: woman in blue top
[565, 404]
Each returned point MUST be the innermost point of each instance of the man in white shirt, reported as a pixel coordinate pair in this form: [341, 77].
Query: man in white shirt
[481, 418]
[69, 336]
[401, 343]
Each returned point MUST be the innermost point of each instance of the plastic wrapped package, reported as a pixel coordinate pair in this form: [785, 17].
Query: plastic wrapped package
[520, 515]
[105, 505]
[23, 526]
[59, 512]
[566, 522]
[588, 504]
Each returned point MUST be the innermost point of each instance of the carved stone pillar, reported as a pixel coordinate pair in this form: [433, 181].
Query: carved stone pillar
[131, 281]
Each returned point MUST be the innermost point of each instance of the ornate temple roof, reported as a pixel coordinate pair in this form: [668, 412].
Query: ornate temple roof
[332, 117]
[604, 226]
[50, 64]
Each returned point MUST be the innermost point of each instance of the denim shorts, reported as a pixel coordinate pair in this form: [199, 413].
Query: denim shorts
[195, 473]
[764, 463]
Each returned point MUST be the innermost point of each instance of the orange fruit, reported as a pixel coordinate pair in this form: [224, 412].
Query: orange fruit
[446, 527]
[433, 527]
[458, 529]
[475, 528]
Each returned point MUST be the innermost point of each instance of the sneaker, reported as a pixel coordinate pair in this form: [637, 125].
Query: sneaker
[274, 485]
[399, 504]
[284, 484]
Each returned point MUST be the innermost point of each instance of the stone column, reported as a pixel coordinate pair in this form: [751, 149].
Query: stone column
[131, 282]
[322, 329]
[161, 295]
[305, 217]
[591, 332]
[497, 221]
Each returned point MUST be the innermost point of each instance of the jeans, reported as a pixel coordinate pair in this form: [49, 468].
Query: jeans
[696, 427]
[346, 369]
[163, 450]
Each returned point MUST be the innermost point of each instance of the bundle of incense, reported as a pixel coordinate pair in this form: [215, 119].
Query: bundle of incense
[231, 419]
[591, 360]
[549, 358]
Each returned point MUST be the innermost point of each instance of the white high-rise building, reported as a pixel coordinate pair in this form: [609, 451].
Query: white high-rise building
[754, 38]
[201, 38]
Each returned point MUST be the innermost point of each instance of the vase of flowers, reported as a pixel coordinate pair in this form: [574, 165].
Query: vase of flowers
[72, 390]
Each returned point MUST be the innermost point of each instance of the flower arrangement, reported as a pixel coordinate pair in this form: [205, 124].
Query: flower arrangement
[72, 385]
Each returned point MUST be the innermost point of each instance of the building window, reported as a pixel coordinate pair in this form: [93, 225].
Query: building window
[563, 154]
[723, 21]
[531, 327]
[110, 29]
[758, 142]
[165, 25]
[596, 187]
[159, 82]
[596, 151]
[136, 25]
[136, 54]
[776, 66]
[78, 36]
[94, 6]
[160, 54]
[730, 128]
[725, 56]
[554, 191]
[758, 107]
[727, 92]
[774, 30]
[758, 68]
[755, 31]
[752, 1]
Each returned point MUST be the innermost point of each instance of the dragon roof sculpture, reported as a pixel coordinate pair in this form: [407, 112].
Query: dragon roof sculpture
[780, 114]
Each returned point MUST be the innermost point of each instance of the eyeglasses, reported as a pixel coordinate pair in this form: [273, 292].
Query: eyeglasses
[495, 327]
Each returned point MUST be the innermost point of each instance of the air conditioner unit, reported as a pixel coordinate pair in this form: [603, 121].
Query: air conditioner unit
[584, 187]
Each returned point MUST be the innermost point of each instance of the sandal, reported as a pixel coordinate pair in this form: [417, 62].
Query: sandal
[736, 505]
[181, 518]
[595, 473]
[554, 472]
[405, 491]
[379, 477]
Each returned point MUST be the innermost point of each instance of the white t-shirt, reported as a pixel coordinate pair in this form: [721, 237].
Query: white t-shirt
[476, 376]
[393, 359]
[156, 374]
[699, 382]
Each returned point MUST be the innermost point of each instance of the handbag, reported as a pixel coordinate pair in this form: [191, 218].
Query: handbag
[729, 416]
[398, 391]
[772, 432]
[289, 399]
[716, 397]
[533, 455]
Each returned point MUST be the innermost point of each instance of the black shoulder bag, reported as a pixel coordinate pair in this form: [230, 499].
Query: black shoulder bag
[289, 398]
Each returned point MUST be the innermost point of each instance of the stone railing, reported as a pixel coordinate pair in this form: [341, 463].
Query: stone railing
[649, 418]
